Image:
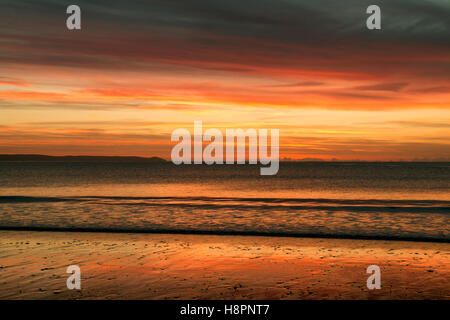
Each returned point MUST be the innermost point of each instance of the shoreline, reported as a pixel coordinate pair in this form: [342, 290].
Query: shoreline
[185, 266]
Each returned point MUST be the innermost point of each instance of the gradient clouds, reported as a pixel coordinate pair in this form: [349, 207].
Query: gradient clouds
[139, 69]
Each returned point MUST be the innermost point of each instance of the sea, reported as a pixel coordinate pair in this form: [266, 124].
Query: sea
[358, 200]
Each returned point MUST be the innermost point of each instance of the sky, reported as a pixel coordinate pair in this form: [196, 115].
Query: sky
[138, 70]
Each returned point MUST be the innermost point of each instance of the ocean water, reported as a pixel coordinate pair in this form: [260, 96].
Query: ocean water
[405, 201]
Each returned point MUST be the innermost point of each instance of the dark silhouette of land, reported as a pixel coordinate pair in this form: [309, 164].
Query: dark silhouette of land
[44, 158]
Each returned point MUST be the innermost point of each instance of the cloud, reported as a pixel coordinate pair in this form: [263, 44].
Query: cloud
[296, 85]
[440, 89]
[262, 37]
[422, 124]
[8, 81]
[392, 86]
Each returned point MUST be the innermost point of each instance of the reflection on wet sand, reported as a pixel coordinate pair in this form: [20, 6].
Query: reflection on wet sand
[162, 266]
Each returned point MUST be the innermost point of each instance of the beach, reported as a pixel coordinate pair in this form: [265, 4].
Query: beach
[178, 266]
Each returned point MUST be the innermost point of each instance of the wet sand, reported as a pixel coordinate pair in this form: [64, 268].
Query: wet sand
[170, 266]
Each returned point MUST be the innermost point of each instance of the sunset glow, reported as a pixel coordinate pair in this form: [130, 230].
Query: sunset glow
[133, 74]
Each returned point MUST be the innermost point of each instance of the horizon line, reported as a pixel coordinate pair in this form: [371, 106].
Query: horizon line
[161, 159]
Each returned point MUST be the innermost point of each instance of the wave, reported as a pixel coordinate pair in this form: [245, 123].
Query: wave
[357, 205]
[227, 232]
[375, 219]
[247, 199]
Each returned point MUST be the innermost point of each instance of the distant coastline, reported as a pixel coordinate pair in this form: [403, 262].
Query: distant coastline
[137, 159]
[45, 158]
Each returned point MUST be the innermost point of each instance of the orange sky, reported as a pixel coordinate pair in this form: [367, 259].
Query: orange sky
[132, 75]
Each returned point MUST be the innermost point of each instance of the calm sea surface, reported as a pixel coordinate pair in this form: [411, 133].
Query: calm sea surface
[379, 200]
